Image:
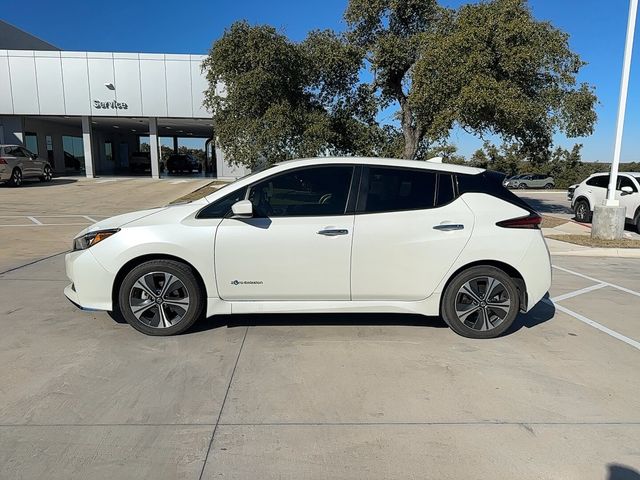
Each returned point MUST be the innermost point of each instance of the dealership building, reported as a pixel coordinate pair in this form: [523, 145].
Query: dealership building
[89, 113]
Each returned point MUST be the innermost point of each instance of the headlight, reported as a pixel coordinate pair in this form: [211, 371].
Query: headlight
[90, 239]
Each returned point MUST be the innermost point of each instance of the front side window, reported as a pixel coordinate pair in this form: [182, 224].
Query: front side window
[625, 182]
[389, 189]
[222, 207]
[306, 192]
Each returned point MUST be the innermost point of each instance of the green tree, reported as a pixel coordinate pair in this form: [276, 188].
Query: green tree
[490, 68]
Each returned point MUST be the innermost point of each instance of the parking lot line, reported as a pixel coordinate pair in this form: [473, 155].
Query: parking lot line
[579, 292]
[597, 325]
[627, 290]
[90, 219]
[34, 220]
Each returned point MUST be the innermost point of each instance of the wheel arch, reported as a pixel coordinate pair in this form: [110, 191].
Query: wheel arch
[505, 267]
[585, 198]
[134, 262]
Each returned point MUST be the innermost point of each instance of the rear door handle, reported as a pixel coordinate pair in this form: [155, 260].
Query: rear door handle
[333, 232]
[447, 227]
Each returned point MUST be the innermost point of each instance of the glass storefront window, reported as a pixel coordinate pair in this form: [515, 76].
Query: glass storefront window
[73, 153]
[31, 142]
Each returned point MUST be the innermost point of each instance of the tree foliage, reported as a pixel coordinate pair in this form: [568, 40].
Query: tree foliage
[490, 68]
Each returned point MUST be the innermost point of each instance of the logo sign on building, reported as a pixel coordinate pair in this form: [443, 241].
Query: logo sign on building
[112, 104]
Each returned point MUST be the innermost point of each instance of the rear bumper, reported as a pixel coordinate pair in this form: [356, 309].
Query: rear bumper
[535, 268]
[91, 285]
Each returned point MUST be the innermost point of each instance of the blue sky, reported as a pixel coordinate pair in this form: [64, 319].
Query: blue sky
[597, 30]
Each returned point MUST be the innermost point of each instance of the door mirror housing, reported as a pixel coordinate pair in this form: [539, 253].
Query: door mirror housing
[242, 209]
[626, 190]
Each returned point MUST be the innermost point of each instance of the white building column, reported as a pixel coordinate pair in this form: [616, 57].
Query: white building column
[87, 144]
[153, 145]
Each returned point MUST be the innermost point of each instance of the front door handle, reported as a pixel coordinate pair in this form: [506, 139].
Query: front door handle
[333, 232]
[447, 227]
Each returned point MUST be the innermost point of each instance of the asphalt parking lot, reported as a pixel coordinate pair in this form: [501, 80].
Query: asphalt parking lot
[304, 396]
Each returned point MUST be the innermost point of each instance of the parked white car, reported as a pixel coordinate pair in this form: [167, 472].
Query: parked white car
[322, 235]
[593, 191]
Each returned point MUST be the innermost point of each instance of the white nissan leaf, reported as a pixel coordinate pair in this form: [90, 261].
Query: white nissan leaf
[322, 235]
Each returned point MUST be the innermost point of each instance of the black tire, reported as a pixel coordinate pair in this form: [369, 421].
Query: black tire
[16, 177]
[548, 186]
[482, 321]
[148, 322]
[48, 174]
[522, 186]
[582, 211]
[638, 223]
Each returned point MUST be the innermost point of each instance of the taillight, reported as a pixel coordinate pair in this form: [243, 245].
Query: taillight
[530, 221]
[3, 161]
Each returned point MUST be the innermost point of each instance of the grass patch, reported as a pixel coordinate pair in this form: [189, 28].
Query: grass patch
[201, 192]
[587, 241]
[550, 222]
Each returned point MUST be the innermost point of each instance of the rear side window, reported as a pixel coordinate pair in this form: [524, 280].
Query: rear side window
[389, 189]
[222, 207]
[490, 183]
[599, 181]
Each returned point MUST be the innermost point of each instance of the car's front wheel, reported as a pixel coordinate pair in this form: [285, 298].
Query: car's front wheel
[161, 297]
[47, 174]
[548, 186]
[522, 186]
[481, 302]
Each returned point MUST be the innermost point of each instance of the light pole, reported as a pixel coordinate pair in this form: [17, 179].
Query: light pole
[608, 219]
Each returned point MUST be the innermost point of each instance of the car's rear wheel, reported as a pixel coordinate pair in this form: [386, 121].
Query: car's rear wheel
[16, 177]
[47, 174]
[481, 302]
[548, 186]
[582, 211]
[161, 297]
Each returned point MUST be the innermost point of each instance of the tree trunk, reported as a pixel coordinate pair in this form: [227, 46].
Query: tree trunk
[410, 131]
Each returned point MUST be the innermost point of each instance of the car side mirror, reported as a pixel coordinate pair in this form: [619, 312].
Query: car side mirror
[34, 156]
[626, 190]
[242, 209]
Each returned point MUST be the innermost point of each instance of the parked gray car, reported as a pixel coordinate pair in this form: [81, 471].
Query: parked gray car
[532, 180]
[18, 163]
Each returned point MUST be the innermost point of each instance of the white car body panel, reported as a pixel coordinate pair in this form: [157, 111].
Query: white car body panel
[293, 261]
[388, 262]
[400, 256]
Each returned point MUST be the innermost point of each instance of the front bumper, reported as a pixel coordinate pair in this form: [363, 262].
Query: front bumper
[91, 285]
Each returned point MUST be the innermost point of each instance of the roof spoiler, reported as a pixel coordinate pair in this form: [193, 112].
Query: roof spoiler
[435, 160]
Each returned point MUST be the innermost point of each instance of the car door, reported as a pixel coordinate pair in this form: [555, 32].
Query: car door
[596, 189]
[409, 229]
[628, 200]
[36, 163]
[297, 245]
[28, 165]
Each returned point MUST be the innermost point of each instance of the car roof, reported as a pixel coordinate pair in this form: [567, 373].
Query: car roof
[304, 162]
[634, 174]
[392, 162]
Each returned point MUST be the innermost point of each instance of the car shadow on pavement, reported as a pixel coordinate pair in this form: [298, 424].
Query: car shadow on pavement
[317, 319]
[544, 206]
[622, 472]
[37, 183]
[542, 312]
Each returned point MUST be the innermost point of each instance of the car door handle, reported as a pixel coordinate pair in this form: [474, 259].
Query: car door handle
[333, 232]
[447, 227]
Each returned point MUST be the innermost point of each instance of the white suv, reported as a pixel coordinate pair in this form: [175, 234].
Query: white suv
[323, 235]
[593, 191]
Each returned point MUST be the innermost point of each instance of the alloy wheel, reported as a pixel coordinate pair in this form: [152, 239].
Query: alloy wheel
[159, 299]
[16, 177]
[47, 174]
[482, 303]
